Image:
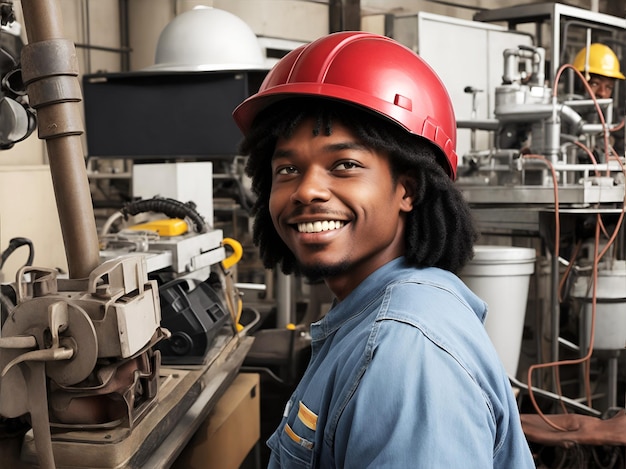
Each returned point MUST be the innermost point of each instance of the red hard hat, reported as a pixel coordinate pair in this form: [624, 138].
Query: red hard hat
[369, 70]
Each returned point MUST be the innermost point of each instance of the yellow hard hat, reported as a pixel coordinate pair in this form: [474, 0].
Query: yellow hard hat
[602, 61]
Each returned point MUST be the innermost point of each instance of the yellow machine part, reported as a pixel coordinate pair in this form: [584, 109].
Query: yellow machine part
[235, 256]
[165, 227]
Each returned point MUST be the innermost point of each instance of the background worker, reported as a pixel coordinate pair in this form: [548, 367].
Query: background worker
[351, 144]
[601, 68]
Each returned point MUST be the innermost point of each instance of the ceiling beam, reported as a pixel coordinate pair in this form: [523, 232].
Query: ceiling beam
[344, 15]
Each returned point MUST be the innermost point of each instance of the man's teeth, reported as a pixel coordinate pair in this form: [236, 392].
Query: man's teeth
[319, 226]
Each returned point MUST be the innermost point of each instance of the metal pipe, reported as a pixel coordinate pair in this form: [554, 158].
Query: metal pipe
[613, 378]
[344, 15]
[50, 72]
[555, 315]
[285, 304]
[124, 35]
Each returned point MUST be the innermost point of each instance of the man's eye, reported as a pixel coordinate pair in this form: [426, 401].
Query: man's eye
[287, 170]
[347, 165]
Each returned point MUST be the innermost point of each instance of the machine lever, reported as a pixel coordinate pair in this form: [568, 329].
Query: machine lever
[18, 341]
[46, 355]
[36, 389]
[58, 318]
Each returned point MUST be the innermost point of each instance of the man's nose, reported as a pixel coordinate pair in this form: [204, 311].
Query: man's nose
[602, 91]
[313, 186]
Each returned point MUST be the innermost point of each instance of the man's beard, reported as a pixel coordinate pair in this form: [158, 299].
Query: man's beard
[318, 271]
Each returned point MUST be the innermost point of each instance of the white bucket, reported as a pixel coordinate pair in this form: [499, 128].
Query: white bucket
[500, 275]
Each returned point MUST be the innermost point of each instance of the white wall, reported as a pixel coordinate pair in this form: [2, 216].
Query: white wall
[28, 209]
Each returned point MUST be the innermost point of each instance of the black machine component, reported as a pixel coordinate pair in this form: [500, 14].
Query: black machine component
[17, 118]
[7, 291]
[148, 116]
[194, 314]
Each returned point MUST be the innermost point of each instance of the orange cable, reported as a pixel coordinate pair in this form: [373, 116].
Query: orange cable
[585, 360]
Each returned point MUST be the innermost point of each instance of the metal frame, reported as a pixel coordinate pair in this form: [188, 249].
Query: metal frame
[554, 13]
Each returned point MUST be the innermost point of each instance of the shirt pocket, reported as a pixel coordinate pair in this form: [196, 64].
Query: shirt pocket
[296, 440]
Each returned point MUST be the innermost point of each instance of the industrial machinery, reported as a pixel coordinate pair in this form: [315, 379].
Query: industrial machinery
[543, 170]
[197, 297]
[81, 376]
[534, 132]
[548, 176]
[551, 170]
[18, 120]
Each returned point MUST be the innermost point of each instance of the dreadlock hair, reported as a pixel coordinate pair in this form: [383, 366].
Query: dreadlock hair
[439, 229]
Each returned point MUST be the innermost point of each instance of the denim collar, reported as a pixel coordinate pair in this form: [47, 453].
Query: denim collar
[358, 300]
[369, 290]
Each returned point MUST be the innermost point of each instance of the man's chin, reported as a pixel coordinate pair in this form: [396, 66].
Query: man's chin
[319, 271]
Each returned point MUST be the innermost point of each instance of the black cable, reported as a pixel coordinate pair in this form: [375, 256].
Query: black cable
[7, 15]
[13, 245]
[170, 207]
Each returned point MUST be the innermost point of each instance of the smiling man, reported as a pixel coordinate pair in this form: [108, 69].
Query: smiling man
[335, 181]
[351, 144]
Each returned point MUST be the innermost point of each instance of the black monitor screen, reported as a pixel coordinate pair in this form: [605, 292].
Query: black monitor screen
[142, 115]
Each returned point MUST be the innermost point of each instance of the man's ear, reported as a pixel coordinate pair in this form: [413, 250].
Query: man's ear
[407, 184]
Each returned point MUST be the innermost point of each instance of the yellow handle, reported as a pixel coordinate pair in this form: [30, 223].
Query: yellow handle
[235, 256]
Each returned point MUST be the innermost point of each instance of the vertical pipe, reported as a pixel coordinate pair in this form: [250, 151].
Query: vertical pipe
[51, 76]
[555, 314]
[86, 20]
[285, 303]
[613, 375]
[556, 44]
[555, 307]
[344, 15]
[124, 35]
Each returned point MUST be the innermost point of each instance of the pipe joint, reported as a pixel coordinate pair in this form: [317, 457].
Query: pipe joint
[53, 90]
[44, 59]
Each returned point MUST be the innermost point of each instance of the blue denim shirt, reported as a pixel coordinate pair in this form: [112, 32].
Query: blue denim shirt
[402, 374]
